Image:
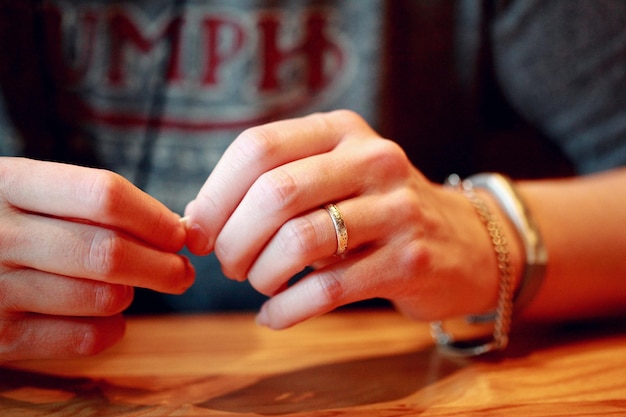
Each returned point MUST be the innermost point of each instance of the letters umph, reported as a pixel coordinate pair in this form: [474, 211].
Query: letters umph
[98, 45]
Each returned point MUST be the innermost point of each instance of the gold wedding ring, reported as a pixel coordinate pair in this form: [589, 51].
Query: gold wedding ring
[340, 228]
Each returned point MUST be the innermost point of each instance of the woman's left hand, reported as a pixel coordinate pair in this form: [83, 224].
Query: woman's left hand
[411, 241]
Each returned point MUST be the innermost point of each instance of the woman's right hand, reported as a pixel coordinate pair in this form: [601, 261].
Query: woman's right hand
[74, 242]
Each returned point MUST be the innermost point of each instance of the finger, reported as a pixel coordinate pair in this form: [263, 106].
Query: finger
[27, 290]
[87, 251]
[32, 336]
[388, 271]
[98, 196]
[282, 194]
[406, 272]
[311, 239]
[253, 153]
[362, 166]
[357, 278]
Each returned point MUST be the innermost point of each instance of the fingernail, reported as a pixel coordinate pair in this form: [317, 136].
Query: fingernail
[184, 221]
[197, 239]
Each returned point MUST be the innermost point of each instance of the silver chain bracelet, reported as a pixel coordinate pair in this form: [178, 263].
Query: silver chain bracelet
[504, 309]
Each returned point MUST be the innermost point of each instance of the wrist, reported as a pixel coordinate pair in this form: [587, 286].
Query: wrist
[498, 200]
[531, 256]
[514, 244]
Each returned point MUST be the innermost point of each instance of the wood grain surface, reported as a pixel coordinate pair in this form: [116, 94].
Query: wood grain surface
[356, 363]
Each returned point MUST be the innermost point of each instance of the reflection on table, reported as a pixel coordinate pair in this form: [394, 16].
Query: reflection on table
[360, 363]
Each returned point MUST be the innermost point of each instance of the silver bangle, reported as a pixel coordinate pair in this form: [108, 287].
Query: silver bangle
[513, 206]
[503, 191]
[501, 316]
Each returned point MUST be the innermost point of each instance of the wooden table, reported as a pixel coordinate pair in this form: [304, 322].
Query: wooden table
[359, 363]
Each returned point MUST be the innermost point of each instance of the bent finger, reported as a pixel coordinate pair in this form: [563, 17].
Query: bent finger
[361, 166]
[86, 251]
[254, 152]
[310, 239]
[28, 290]
[94, 195]
[359, 278]
[32, 336]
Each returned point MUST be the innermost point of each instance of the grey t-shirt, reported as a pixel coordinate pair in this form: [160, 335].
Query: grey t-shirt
[562, 65]
[157, 89]
[167, 85]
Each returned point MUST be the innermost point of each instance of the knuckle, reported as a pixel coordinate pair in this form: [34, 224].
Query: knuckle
[276, 190]
[343, 121]
[89, 341]
[107, 190]
[330, 287]
[392, 155]
[387, 157]
[345, 116]
[408, 208]
[255, 144]
[94, 336]
[416, 257]
[106, 253]
[298, 238]
[110, 299]
[415, 275]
